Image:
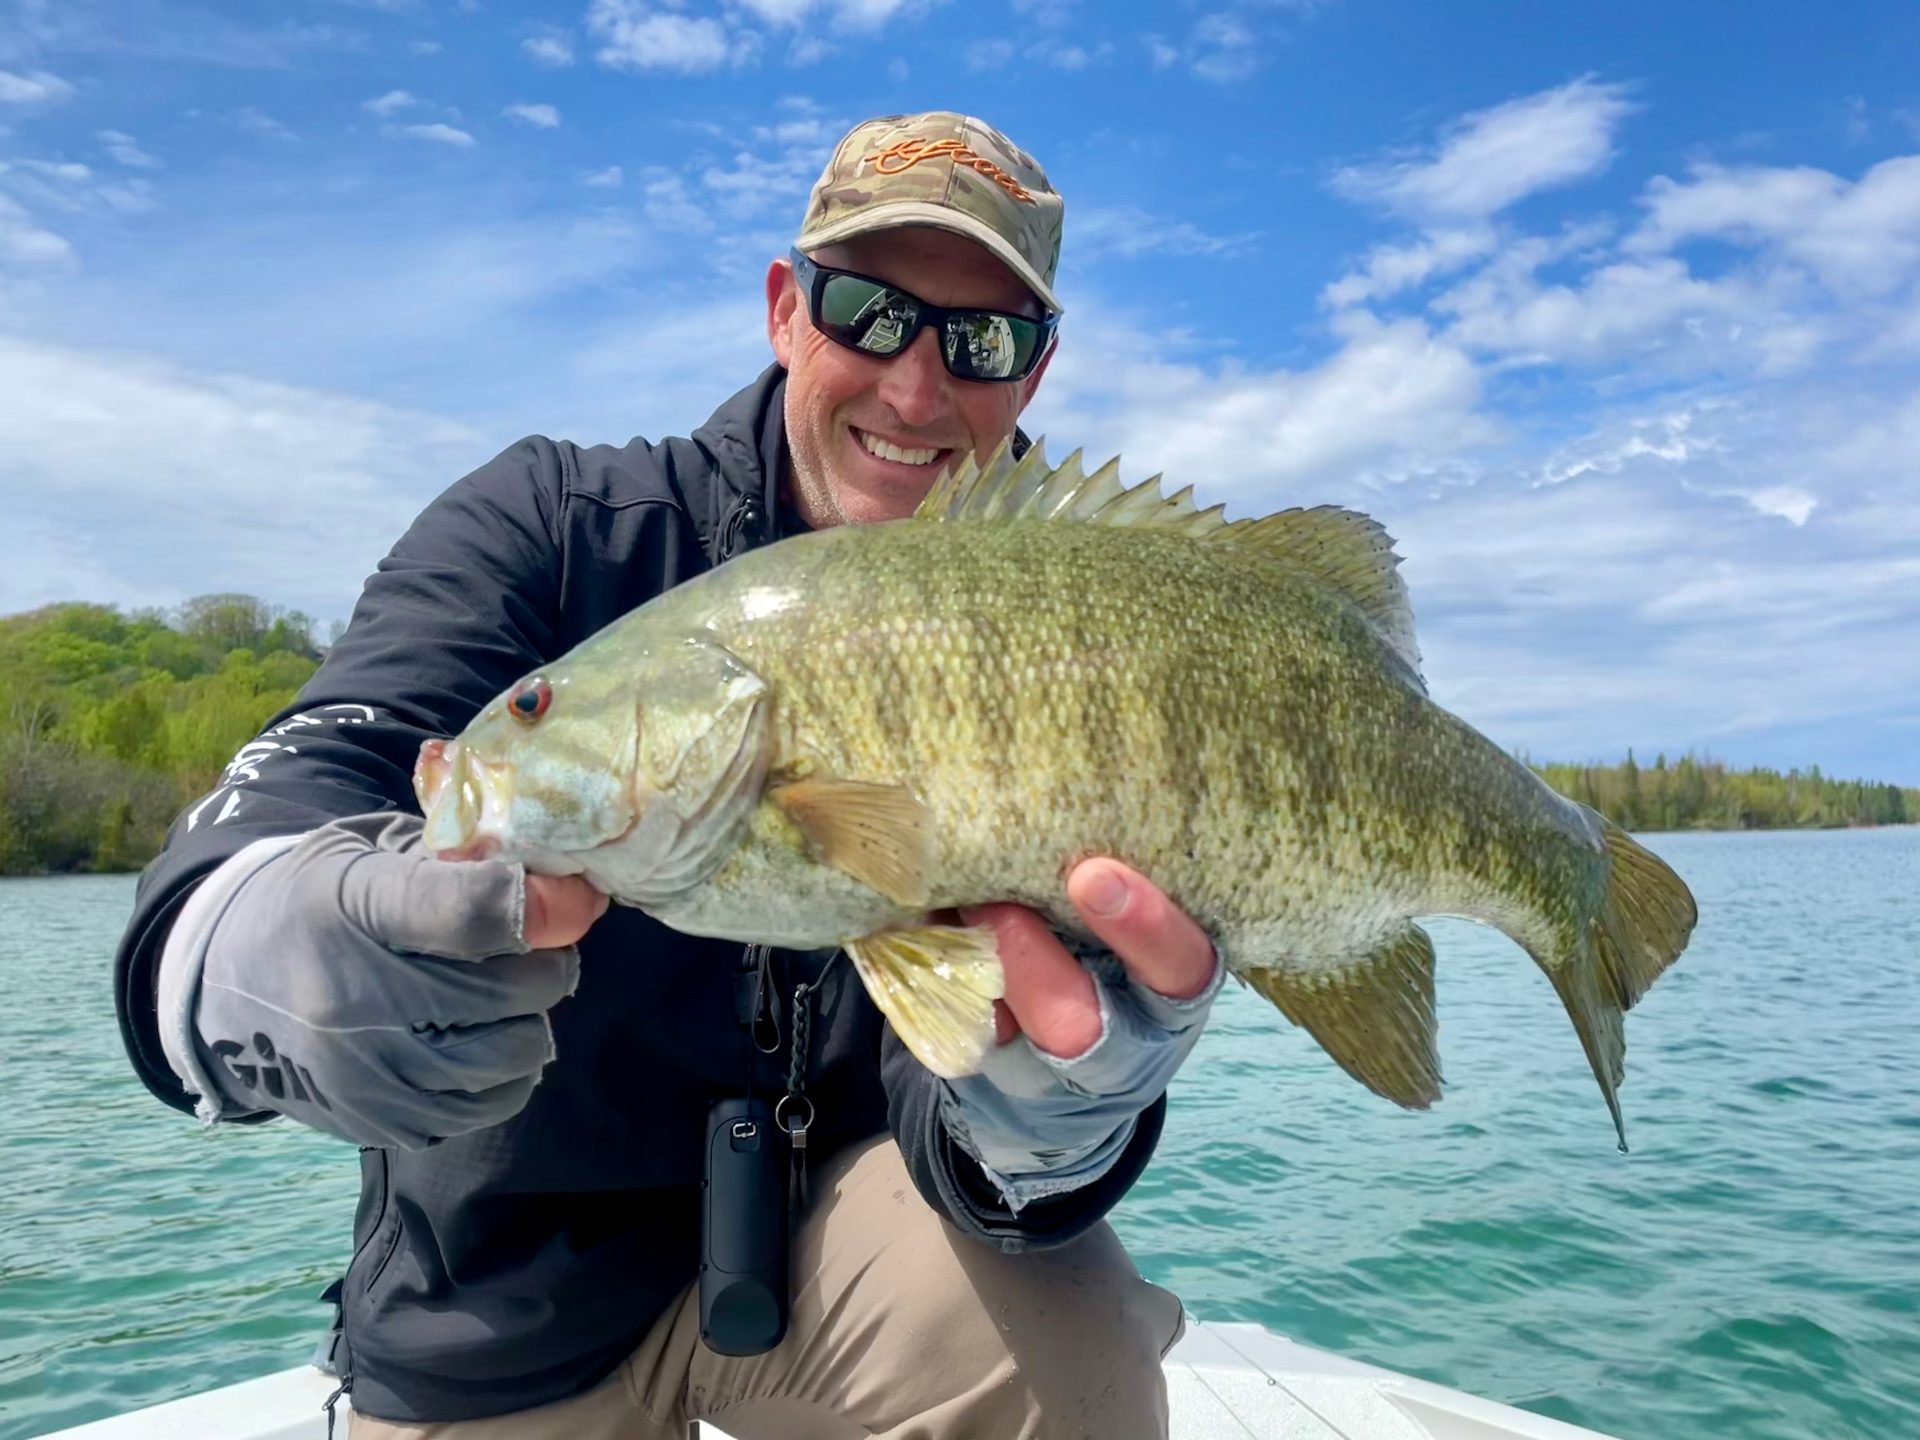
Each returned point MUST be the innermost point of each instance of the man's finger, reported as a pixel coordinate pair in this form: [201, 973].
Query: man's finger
[1161, 948]
[1050, 995]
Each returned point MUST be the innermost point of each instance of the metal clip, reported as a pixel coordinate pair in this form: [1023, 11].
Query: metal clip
[796, 1128]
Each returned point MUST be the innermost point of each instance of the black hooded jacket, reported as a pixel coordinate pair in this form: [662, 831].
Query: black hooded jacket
[517, 1266]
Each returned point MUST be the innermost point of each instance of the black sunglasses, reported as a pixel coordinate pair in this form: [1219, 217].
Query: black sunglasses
[879, 319]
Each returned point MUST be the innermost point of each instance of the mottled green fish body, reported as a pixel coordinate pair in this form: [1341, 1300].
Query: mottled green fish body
[1043, 666]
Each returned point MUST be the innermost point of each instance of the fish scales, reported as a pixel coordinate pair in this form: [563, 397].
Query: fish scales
[1209, 718]
[860, 726]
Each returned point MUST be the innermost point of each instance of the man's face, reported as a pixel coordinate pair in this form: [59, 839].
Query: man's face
[842, 405]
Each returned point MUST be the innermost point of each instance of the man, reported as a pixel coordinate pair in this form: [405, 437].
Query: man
[529, 1075]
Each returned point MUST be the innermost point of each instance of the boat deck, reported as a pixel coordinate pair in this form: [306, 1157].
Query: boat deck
[1224, 1382]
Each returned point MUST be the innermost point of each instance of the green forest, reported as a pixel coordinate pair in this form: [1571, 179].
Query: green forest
[114, 722]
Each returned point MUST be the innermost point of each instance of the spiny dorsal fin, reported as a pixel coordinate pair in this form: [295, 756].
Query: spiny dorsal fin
[1341, 550]
[1350, 554]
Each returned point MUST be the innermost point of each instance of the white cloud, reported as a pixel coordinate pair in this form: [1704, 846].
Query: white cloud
[1391, 402]
[23, 241]
[438, 133]
[663, 35]
[1789, 502]
[258, 122]
[1670, 437]
[1859, 124]
[71, 170]
[812, 130]
[165, 465]
[1389, 269]
[1636, 306]
[424, 47]
[1489, 159]
[390, 103]
[1128, 232]
[780, 12]
[541, 117]
[552, 48]
[1859, 236]
[754, 183]
[1063, 56]
[636, 37]
[122, 147]
[670, 206]
[1224, 49]
[989, 54]
[847, 14]
[998, 54]
[36, 88]
[776, 173]
[608, 178]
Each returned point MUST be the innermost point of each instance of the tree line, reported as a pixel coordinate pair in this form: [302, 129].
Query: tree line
[112, 723]
[1702, 794]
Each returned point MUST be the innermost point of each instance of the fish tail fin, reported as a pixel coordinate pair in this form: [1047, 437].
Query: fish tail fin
[1373, 1015]
[1648, 917]
[936, 985]
[1642, 926]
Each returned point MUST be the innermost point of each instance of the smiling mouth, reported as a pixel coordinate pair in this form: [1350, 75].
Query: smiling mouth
[898, 454]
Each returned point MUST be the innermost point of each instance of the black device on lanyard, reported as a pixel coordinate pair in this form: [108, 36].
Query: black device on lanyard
[743, 1229]
[743, 1191]
[754, 1184]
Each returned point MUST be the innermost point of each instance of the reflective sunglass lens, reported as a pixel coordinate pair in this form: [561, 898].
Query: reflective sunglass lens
[981, 346]
[864, 315]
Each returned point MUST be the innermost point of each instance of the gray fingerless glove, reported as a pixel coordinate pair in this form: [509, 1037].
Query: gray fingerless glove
[353, 982]
[1041, 1126]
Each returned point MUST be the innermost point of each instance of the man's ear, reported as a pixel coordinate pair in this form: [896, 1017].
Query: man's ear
[1031, 385]
[783, 294]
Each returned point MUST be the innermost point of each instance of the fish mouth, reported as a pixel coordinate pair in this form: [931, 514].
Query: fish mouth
[465, 801]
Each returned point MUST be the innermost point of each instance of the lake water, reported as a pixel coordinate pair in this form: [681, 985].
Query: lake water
[1751, 1269]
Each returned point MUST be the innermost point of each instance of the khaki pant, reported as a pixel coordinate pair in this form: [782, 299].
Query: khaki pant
[901, 1327]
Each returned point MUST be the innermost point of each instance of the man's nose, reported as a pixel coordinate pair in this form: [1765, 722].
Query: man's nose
[914, 384]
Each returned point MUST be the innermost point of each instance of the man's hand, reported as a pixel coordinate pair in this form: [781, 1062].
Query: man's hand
[1079, 1058]
[1050, 996]
[359, 985]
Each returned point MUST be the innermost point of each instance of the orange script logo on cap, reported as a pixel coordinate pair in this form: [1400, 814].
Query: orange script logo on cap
[905, 154]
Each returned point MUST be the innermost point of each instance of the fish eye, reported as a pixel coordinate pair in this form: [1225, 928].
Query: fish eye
[528, 703]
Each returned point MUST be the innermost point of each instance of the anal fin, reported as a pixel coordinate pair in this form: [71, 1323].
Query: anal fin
[1373, 1016]
[936, 985]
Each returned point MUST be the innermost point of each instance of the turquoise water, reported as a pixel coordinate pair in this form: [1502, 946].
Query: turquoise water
[1751, 1269]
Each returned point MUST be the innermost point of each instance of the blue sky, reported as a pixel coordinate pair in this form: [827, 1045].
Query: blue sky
[1611, 312]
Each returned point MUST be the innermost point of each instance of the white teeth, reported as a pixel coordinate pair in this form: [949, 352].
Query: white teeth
[876, 446]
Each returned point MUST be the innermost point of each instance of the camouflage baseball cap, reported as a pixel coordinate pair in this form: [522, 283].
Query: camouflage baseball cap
[947, 170]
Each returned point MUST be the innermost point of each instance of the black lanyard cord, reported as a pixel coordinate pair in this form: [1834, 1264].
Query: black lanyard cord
[795, 1112]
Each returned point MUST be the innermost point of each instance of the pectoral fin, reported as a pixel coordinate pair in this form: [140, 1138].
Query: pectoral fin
[937, 986]
[1374, 1016]
[881, 835]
